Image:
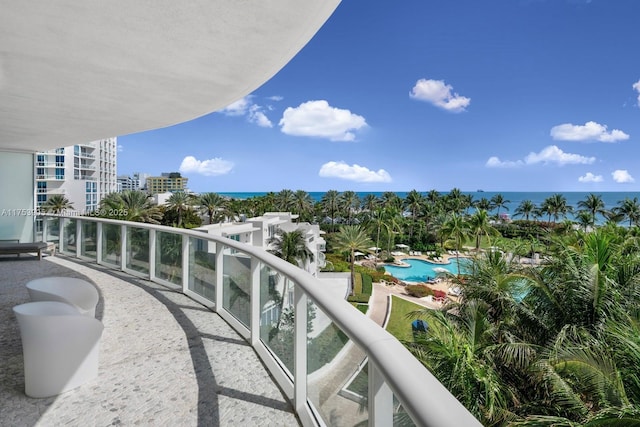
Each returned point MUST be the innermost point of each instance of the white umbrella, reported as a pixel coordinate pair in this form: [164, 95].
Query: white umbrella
[374, 249]
[402, 245]
[358, 254]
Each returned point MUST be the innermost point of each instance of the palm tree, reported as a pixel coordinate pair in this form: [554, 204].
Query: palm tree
[180, 202]
[629, 209]
[131, 205]
[479, 226]
[214, 205]
[330, 205]
[526, 208]
[370, 202]
[497, 201]
[352, 238]
[414, 202]
[285, 201]
[291, 246]
[303, 204]
[56, 204]
[555, 206]
[483, 203]
[456, 229]
[594, 205]
[391, 199]
[349, 202]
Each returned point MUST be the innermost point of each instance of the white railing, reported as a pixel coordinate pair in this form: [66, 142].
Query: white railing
[251, 289]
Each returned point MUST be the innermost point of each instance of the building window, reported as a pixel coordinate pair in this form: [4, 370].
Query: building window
[59, 173]
[40, 171]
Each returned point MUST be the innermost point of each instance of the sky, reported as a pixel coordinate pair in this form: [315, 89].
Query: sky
[499, 95]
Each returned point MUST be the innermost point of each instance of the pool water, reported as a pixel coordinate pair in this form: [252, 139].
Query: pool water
[421, 271]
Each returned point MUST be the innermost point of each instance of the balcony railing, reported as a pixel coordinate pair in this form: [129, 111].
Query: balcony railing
[329, 359]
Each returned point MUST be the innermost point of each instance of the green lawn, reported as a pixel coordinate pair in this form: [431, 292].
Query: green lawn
[399, 325]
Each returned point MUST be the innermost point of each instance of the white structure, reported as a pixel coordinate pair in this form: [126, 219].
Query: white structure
[60, 347]
[83, 173]
[75, 72]
[257, 232]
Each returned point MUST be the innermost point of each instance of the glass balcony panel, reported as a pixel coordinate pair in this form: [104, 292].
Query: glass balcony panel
[400, 416]
[69, 243]
[337, 382]
[53, 230]
[137, 256]
[111, 244]
[202, 268]
[236, 273]
[89, 239]
[169, 257]
[277, 315]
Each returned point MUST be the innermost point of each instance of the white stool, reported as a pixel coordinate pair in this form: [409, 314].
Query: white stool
[77, 292]
[60, 347]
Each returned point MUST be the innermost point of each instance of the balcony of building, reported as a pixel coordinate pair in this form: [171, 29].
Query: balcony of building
[171, 301]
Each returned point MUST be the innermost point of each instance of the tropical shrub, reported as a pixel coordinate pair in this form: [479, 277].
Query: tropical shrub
[418, 291]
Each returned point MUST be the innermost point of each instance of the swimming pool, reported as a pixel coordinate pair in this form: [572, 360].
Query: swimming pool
[421, 271]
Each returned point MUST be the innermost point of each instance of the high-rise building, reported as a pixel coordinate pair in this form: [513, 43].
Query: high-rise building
[83, 173]
[136, 182]
[167, 182]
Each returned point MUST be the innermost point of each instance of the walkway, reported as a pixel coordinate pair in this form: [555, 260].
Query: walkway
[165, 360]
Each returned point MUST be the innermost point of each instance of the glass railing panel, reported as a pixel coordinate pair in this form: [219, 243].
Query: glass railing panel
[111, 244]
[89, 241]
[337, 382]
[400, 416]
[70, 236]
[137, 256]
[277, 315]
[202, 268]
[52, 230]
[236, 273]
[169, 257]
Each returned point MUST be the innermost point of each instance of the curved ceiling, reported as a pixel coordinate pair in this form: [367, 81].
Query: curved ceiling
[76, 71]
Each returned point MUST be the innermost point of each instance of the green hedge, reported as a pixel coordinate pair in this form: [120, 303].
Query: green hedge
[367, 284]
[360, 298]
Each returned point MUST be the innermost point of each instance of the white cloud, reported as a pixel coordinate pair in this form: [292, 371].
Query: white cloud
[319, 119]
[495, 162]
[586, 132]
[440, 94]
[353, 172]
[548, 155]
[258, 117]
[553, 154]
[589, 177]
[276, 98]
[622, 176]
[636, 86]
[246, 107]
[238, 108]
[120, 148]
[211, 167]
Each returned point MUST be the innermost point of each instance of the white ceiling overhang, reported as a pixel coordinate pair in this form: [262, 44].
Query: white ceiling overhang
[77, 71]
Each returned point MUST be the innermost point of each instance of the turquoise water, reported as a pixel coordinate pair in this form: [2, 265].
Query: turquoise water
[421, 271]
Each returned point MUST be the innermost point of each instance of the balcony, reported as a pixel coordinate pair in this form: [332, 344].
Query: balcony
[169, 298]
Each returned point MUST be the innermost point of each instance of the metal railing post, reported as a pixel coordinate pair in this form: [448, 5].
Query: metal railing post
[300, 349]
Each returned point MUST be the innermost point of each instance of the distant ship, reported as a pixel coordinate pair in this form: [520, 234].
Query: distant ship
[479, 191]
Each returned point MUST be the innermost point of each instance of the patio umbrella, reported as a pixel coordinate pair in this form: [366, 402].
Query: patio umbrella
[402, 246]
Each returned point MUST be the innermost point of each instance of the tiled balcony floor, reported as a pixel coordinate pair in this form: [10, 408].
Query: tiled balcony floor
[165, 360]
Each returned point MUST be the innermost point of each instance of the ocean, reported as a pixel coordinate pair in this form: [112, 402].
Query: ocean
[514, 199]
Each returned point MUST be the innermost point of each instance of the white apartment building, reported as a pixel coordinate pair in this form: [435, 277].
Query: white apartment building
[258, 230]
[83, 173]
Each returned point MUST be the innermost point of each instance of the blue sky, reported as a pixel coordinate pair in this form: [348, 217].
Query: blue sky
[500, 95]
